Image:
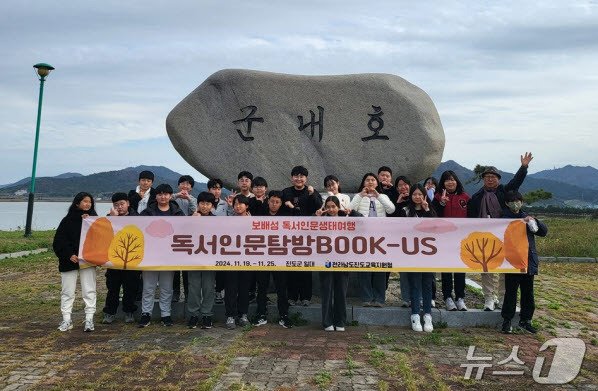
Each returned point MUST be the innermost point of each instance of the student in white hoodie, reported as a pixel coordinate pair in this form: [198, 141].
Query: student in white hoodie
[333, 188]
[371, 202]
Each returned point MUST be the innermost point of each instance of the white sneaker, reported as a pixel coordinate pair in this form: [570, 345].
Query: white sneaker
[428, 327]
[88, 326]
[329, 328]
[489, 305]
[416, 324]
[230, 323]
[305, 303]
[339, 328]
[243, 321]
[65, 325]
[461, 304]
[498, 304]
[450, 304]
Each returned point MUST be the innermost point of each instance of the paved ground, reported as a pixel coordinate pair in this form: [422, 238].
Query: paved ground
[34, 355]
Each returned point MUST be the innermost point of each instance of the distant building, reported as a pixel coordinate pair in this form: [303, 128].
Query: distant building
[20, 192]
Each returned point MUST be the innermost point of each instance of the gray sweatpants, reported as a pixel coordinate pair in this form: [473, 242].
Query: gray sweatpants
[201, 293]
[150, 280]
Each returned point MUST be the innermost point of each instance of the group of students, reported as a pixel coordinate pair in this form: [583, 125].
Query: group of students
[377, 196]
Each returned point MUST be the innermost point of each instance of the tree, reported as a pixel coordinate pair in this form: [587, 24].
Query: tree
[482, 250]
[126, 249]
[536, 195]
[477, 174]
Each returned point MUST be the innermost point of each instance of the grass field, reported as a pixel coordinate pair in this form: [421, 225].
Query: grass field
[122, 356]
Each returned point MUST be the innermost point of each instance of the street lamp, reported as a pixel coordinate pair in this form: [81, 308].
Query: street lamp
[42, 70]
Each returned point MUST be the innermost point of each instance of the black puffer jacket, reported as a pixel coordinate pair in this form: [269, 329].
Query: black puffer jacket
[66, 239]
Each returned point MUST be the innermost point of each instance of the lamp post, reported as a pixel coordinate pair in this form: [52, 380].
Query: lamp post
[42, 70]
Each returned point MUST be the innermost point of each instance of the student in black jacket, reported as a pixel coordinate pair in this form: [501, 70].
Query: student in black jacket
[524, 282]
[66, 248]
[300, 199]
[115, 278]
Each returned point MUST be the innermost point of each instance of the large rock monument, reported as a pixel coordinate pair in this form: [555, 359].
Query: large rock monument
[346, 125]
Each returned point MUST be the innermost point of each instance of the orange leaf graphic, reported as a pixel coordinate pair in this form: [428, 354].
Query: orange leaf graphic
[516, 245]
[97, 241]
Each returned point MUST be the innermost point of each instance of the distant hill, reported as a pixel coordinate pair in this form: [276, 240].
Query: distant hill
[563, 193]
[26, 181]
[570, 186]
[586, 177]
[102, 184]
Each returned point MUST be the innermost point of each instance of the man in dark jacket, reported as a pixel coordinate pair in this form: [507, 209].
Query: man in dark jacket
[300, 199]
[163, 206]
[525, 282]
[115, 278]
[488, 202]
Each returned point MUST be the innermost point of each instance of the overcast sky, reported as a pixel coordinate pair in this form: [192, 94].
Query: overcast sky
[505, 77]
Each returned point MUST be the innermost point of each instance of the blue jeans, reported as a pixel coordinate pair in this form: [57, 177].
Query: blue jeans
[421, 286]
[373, 286]
[404, 285]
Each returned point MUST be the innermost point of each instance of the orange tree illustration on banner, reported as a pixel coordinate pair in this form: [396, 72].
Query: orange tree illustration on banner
[482, 250]
[126, 249]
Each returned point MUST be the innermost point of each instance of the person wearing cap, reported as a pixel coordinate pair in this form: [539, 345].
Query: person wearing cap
[141, 197]
[164, 206]
[488, 202]
[300, 199]
[115, 278]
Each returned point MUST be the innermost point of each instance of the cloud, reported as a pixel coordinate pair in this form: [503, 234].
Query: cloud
[510, 75]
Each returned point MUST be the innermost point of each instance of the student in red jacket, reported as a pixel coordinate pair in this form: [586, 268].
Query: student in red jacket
[451, 200]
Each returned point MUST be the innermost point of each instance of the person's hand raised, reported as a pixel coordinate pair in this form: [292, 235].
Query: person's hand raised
[526, 159]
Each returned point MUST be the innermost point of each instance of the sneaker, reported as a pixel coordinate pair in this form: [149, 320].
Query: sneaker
[261, 320]
[108, 318]
[305, 303]
[461, 304]
[243, 321]
[65, 325]
[292, 302]
[176, 296]
[192, 323]
[339, 328]
[329, 328]
[489, 305]
[506, 327]
[416, 323]
[230, 323]
[88, 325]
[450, 304]
[527, 326]
[145, 319]
[206, 322]
[366, 304]
[129, 317]
[166, 321]
[218, 298]
[285, 322]
[428, 327]
[498, 304]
